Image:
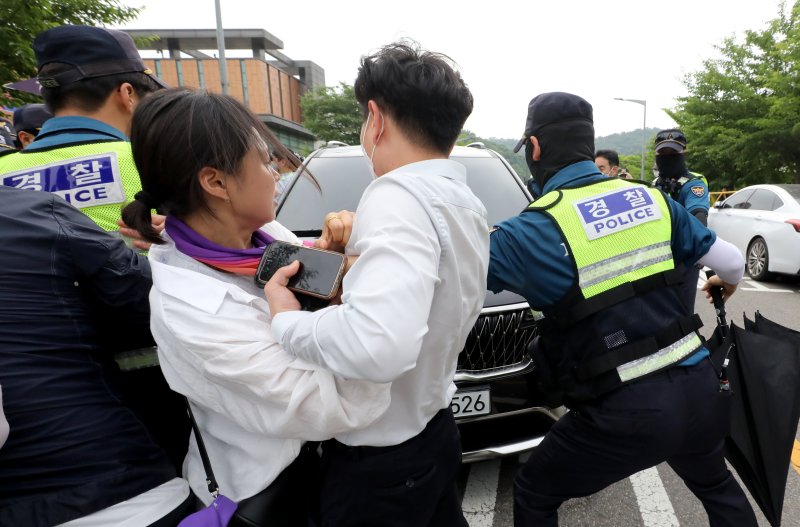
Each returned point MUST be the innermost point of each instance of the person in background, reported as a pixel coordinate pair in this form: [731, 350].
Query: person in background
[8, 139]
[77, 454]
[688, 189]
[92, 79]
[415, 290]
[607, 162]
[598, 257]
[724, 193]
[204, 159]
[28, 121]
[284, 166]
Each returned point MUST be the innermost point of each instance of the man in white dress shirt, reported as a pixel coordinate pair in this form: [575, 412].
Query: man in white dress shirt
[410, 299]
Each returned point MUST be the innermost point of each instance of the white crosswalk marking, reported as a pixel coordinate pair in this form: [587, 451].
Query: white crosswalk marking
[653, 500]
[480, 495]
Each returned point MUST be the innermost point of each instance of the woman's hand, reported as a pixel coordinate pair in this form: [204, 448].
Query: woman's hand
[336, 230]
[280, 298]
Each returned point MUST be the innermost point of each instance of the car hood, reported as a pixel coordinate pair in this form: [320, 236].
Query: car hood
[503, 298]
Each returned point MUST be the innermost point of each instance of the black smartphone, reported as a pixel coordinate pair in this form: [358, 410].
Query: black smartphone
[320, 271]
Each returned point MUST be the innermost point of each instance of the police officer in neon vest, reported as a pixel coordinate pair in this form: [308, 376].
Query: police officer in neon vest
[687, 188]
[601, 258]
[92, 79]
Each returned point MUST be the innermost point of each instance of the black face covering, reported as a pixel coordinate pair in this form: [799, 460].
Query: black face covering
[671, 166]
[561, 144]
[670, 169]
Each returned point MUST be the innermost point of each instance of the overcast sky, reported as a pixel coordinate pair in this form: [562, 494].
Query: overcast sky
[507, 51]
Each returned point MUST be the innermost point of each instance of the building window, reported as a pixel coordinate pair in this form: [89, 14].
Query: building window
[201, 74]
[179, 67]
[245, 95]
[158, 68]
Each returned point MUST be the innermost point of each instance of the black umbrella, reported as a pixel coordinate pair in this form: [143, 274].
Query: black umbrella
[763, 367]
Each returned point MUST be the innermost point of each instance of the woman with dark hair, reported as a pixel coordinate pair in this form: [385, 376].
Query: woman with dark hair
[204, 161]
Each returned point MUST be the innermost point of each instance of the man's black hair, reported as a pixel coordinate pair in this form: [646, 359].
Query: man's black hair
[610, 155]
[420, 90]
[90, 94]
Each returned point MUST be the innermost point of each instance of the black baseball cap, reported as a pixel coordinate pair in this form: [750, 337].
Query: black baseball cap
[552, 108]
[30, 117]
[91, 51]
[671, 138]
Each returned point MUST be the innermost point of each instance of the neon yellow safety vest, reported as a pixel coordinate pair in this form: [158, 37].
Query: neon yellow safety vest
[618, 233]
[698, 175]
[98, 178]
[613, 232]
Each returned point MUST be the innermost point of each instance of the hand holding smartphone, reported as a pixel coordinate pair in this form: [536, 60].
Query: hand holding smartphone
[320, 271]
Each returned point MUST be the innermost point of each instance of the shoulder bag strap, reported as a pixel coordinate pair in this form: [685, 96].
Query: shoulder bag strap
[213, 487]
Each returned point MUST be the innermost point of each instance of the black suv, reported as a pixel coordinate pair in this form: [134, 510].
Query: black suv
[498, 407]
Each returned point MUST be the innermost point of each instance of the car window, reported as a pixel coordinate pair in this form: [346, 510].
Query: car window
[778, 203]
[761, 199]
[738, 200]
[495, 186]
[343, 180]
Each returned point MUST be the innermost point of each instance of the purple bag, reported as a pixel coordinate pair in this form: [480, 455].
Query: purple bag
[218, 514]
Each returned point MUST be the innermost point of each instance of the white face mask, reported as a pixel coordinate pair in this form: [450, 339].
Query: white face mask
[364, 150]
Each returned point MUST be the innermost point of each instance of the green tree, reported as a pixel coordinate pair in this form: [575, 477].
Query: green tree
[24, 19]
[741, 114]
[504, 147]
[332, 113]
[633, 163]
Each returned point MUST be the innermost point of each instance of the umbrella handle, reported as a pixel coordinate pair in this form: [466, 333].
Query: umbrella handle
[719, 303]
[719, 307]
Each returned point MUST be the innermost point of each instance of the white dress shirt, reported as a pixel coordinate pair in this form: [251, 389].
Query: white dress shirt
[409, 300]
[254, 403]
[3, 422]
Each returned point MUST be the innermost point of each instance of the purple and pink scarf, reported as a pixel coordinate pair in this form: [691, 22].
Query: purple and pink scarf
[237, 261]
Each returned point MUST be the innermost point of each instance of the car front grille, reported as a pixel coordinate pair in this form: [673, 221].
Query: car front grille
[497, 341]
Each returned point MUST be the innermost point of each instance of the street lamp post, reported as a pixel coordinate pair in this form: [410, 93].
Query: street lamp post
[223, 66]
[644, 126]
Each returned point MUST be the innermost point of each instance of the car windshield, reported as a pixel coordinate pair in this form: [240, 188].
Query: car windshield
[343, 180]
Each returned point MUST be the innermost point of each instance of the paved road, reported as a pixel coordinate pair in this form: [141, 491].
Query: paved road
[655, 497]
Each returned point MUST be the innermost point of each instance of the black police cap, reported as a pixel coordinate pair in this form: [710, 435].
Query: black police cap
[30, 117]
[91, 51]
[554, 107]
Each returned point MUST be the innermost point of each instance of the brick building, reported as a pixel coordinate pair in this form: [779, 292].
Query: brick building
[268, 82]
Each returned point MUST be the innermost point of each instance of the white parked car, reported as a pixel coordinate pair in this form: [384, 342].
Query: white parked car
[763, 221]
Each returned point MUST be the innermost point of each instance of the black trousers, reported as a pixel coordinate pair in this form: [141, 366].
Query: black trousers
[678, 416]
[412, 484]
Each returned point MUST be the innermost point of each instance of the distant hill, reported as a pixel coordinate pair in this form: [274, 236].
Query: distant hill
[626, 143]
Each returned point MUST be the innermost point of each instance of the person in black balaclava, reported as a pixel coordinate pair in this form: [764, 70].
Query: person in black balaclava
[688, 189]
[674, 178]
[564, 129]
[599, 257]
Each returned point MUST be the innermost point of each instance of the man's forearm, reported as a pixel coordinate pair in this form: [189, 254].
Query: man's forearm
[725, 260]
